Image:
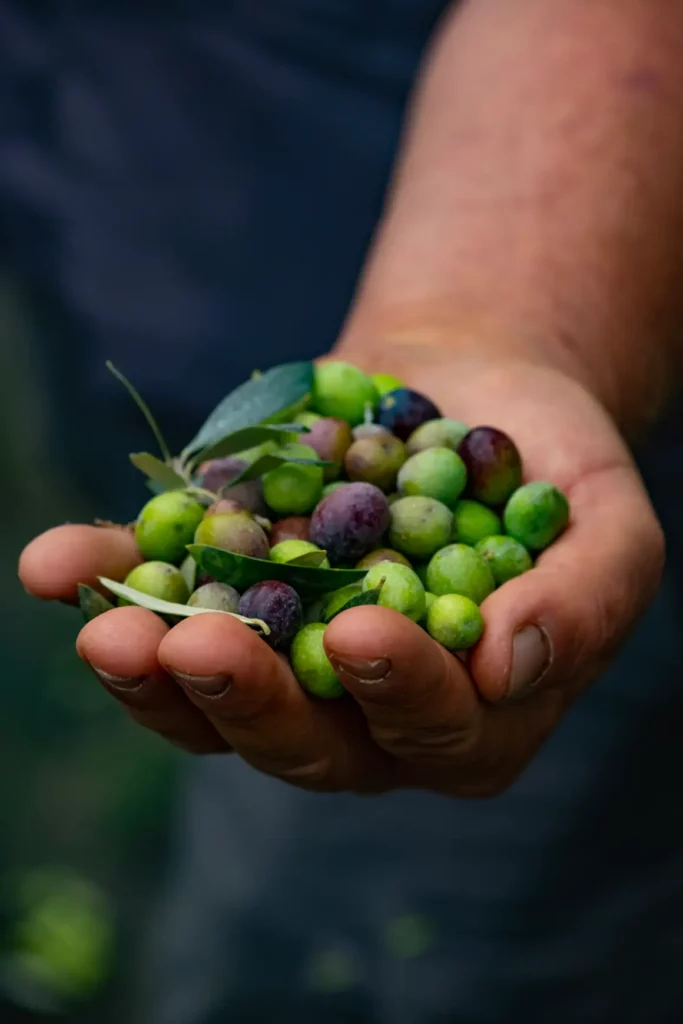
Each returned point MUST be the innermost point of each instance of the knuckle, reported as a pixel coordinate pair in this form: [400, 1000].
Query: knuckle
[431, 743]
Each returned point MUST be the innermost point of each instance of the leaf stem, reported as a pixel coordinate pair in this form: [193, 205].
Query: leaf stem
[144, 409]
[202, 492]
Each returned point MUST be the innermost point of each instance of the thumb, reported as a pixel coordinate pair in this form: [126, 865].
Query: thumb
[560, 623]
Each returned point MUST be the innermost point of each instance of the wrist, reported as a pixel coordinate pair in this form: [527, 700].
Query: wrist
[418, 344]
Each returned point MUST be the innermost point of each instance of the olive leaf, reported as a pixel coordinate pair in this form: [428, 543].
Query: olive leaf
[244, 438]
[242, 571]
[257, 399]
[271, 461]
[366, 597]
[188, 569]
[144, 409]
[290, 413]
[92, 603]
[257, 468]
[160, 472]
[155, 604]
[310, 558]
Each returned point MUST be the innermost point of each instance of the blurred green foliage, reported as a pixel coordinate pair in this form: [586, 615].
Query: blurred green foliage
[85, 795]
[60, 941]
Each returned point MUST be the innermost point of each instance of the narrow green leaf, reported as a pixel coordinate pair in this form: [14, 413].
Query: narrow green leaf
[144, 409]
[160, 472]
[254, 401]
[366, 597]
[92, 602]
[272, 461]
[310, 558]
[189, 570]
[241, 571]
[154, 604]
[258, 468]
[245, 438]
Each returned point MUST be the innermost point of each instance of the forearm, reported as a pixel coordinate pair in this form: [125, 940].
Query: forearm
[538, 204]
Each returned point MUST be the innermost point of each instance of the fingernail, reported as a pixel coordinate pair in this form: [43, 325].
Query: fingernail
[531, 659]
[365, 670]
[126, 683]
[204, 686]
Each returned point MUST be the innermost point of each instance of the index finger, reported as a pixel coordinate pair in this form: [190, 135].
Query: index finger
[54, 563]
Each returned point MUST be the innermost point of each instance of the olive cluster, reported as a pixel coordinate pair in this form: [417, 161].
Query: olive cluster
[434, 511]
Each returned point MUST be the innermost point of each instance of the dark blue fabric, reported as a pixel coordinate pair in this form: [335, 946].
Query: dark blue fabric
[189, 189]
[192, 189]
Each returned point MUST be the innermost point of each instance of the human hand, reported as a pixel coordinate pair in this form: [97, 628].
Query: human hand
[416, 716]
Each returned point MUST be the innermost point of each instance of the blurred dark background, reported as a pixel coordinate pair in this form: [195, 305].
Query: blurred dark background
[166, 185]
[85, 796]
[192, 196]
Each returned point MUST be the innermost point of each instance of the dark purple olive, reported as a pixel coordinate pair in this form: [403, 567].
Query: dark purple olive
[349, 522]
[494, 466]
[291, 528]
[279, 606]
[216, 475]
[403, 411]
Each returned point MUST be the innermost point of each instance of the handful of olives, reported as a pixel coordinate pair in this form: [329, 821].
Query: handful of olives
[348, 490]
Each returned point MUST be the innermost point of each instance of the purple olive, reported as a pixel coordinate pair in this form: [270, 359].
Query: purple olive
[349, 522]
[233, 531]
[216, 476]
[403, 411]
[279, 606]
[330, 438]
[494, 466]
